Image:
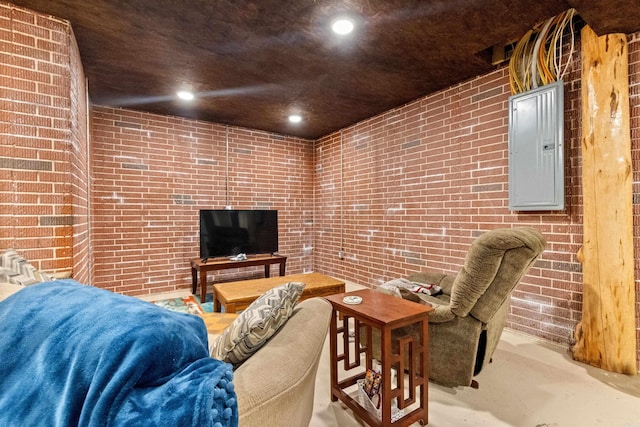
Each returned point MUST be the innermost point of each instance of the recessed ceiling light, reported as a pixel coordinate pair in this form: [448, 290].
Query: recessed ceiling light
[295, 118]
[183, 94]
[342, 26]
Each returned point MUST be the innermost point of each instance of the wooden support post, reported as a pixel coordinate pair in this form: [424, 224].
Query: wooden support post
[606, 336]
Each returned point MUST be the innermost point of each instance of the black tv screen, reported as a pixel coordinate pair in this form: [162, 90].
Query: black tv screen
[231, 232]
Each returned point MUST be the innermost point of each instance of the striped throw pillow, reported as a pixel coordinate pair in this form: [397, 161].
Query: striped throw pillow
[256, 324]
[15, 269]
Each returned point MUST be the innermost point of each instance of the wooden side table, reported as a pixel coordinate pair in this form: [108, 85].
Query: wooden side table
[386, 313]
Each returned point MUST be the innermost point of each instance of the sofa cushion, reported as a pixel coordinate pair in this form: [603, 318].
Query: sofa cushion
[17, 270]
[7, 289]
[257, 323]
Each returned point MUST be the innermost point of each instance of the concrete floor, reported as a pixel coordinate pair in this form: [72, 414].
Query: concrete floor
[530, 383]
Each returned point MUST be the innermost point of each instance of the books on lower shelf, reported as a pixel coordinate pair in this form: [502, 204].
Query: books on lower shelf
[371, 386]
[369, 395]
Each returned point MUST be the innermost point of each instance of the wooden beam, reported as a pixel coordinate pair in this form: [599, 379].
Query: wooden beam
[606, 335]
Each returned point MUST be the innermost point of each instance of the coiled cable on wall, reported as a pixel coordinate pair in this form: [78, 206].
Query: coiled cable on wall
[537, 56]
[536, 64]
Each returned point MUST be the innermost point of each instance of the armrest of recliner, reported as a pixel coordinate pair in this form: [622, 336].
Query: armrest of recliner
[441, 311]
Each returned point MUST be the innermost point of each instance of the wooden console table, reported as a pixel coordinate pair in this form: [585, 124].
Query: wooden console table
[214, 264]
[386, 313]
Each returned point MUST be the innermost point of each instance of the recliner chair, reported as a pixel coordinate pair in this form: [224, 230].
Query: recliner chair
[468, 317]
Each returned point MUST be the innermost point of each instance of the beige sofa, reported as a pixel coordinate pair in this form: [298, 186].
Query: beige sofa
[276, 385]
[7, 289]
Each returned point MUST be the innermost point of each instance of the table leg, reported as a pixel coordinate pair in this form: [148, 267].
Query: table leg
[424, 390]
[282, 267]
[194, 280]
[385, 344]
[217, 307]
[203, 286]
[267, 270]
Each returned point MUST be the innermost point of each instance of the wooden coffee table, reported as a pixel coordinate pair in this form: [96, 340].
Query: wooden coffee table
[216, 323]
[239, 295]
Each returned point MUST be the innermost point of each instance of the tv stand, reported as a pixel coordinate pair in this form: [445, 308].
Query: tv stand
[203, 266]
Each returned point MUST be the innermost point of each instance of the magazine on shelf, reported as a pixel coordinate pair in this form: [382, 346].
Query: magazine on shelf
[372, 384]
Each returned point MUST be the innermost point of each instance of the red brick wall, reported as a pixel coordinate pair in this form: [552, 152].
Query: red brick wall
[151, 175]
[419, 183]
[79, 180]
[43, 134]
[416, 187]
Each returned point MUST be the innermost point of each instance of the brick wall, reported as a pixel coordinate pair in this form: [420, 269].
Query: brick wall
[419, 183]
[79, 179]
[151, 175]
[43, 135]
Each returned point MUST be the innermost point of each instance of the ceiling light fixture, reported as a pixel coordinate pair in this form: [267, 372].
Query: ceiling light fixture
[342, 26]
[183, 94]
[295, 118]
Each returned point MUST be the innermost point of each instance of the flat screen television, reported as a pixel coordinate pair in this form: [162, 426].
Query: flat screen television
[231, 232]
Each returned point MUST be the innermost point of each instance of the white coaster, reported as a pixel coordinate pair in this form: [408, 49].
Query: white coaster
[352, 300]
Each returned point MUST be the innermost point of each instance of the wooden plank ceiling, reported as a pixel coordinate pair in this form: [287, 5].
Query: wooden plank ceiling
[252, 63]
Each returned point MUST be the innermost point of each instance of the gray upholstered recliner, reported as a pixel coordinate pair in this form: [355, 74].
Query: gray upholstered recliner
[469, 316]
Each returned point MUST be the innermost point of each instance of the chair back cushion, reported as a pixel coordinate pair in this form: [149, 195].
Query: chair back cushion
[494, 265]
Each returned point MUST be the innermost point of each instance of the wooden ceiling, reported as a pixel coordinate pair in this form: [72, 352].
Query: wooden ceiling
[252, 63]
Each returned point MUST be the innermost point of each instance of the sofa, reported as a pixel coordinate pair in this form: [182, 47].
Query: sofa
[74, 354]
[8, 289]
[276, 384]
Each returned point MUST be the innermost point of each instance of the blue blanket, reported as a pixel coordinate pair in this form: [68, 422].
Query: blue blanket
[76, 355]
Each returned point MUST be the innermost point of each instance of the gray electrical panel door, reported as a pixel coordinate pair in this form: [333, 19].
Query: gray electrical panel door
[536, 149]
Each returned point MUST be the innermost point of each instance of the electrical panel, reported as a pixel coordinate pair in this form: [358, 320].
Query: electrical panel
[536, 149]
